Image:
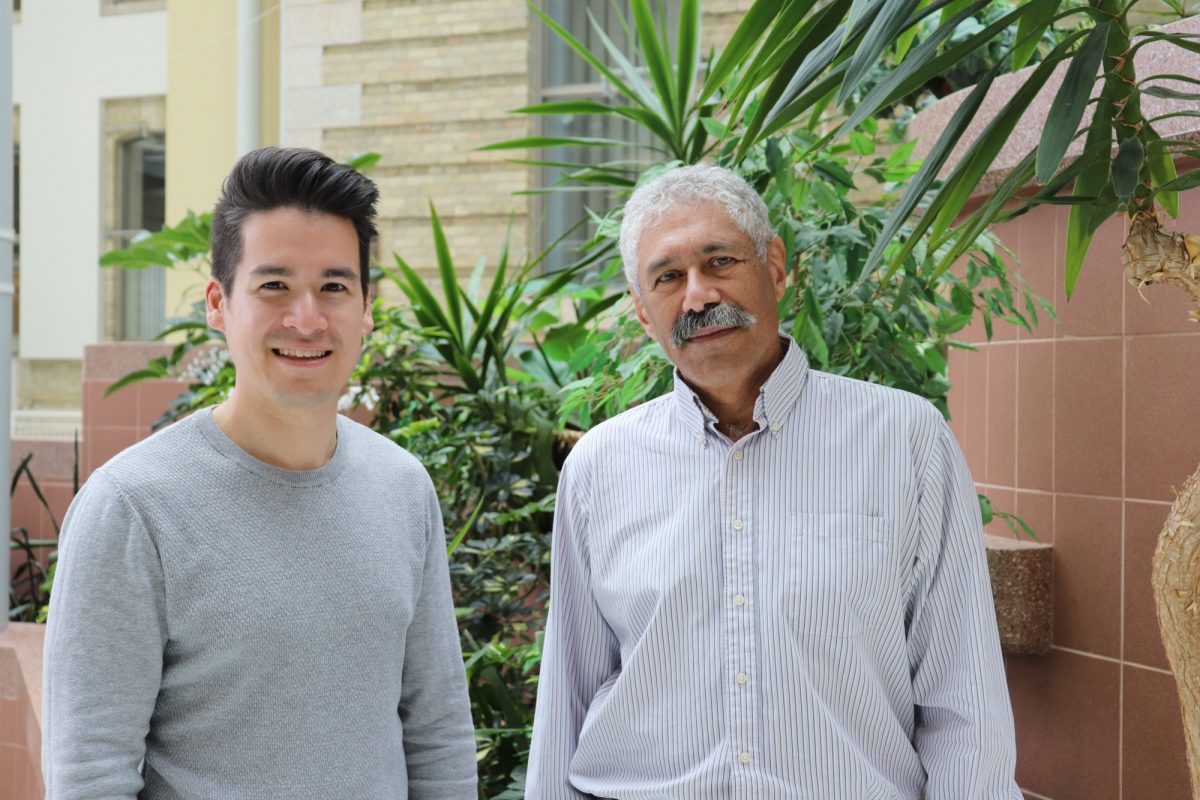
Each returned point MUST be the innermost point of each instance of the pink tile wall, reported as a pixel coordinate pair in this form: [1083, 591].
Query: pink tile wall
[1084, 428]
[110, 424]
[20, 737]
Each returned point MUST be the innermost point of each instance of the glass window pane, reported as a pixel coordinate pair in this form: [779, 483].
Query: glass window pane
[566, 76]
[143, 209]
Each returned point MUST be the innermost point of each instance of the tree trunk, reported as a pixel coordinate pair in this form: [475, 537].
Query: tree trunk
[1176, 578]
[1152, 255]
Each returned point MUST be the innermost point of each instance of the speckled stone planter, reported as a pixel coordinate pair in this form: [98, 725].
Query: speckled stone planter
[1021, 588]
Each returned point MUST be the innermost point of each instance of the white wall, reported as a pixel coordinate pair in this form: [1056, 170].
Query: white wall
[67, 59]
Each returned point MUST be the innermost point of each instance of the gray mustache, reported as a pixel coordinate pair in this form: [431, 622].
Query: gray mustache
[725, 315]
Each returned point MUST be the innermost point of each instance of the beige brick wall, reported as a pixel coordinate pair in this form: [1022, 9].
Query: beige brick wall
[426, 84]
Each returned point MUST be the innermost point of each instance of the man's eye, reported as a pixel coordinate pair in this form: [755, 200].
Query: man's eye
[273, 285]
[666, 277]
[723, 261]
[335, 287]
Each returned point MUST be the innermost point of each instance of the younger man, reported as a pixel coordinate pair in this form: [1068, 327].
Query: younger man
[254, 603]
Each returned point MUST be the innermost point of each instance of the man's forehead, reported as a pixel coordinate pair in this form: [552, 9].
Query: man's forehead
[701, 226]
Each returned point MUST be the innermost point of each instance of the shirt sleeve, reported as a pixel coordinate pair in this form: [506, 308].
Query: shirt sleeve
[439, 738]
[964, 733]
[579, 651]
[104, 645]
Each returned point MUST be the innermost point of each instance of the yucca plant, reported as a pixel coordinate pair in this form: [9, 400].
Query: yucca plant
[475, 332]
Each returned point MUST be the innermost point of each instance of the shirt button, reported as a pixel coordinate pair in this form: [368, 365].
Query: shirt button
[738, 524]
[738, 455]
[744, 758]
[741, 679]
[739, 600]
[775, 426]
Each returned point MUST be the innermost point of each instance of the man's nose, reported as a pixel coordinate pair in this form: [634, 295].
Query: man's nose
[700, 293]
[305, 315]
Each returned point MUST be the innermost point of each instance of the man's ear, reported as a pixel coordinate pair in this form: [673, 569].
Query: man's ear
[214, 305]
[777, 264]
[640, 308]
[368, 323]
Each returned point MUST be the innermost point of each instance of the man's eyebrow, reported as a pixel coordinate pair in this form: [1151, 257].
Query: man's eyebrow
[273, 270]
[345, 273]
[715, 246]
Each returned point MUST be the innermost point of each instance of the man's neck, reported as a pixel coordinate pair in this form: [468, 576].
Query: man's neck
[733, 403]
[286, 438]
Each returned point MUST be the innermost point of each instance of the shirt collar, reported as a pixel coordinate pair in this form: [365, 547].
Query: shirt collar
[776, 398]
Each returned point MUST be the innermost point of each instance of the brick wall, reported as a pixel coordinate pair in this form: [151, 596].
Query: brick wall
[426, 85]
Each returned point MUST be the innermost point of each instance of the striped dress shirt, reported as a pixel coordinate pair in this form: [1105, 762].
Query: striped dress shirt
[802, 613]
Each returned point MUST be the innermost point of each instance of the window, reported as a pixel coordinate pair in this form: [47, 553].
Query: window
[142, 186]
[565, 76]
[109, 7]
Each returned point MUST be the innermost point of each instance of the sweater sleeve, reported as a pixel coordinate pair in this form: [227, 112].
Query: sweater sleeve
[439, 738]
[965, 733]
[104, 648]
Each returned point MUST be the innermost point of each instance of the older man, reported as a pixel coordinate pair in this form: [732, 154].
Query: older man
[771, 582]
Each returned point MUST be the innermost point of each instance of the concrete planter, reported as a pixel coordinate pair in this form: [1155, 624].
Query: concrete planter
[1022, 591]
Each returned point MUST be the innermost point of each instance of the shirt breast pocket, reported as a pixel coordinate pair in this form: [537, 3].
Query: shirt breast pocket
[837, 573]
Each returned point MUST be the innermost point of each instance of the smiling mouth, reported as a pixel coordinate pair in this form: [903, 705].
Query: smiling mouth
[301, 354]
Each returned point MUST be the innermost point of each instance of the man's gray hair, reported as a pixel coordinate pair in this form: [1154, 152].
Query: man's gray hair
[693, 185]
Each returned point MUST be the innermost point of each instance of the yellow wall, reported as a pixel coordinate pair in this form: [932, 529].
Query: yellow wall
[270, 72]
[202, 111]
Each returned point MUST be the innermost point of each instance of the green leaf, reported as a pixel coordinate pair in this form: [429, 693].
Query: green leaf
[1188, 180]
[1162, 172]
[891, 19]
[1187, 41]
[927, 174]
[582, 51]
[153, 372]
[448, 275]
[566, 107]
[1083, 220]
[1067, 109]
[905, 41]
[529, 142]
[562, 340]
[1171, 94]
[923, 64]
[646, 97]
[715, 128]
[1030, 30]
[810, 53]
[985, 509]
[656, 58]
[754, 23]
[361, 162]
[979, 157]
[951, 9]
[863, 145]
[1127, 167]
[687, 53]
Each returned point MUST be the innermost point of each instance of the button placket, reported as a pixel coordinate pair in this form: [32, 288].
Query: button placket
[740, 650]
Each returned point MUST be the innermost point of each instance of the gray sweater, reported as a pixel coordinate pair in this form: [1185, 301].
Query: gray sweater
[255, 632]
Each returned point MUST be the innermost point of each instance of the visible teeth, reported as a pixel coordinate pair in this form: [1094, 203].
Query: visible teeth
[284, 351]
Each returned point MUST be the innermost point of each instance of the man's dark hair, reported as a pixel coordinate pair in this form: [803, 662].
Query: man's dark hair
[290, 177]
